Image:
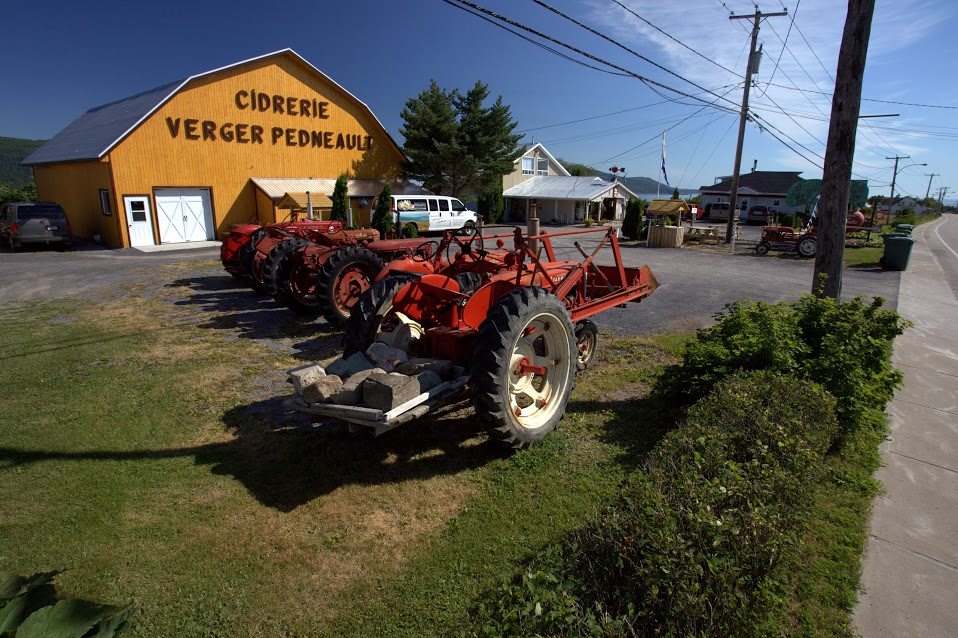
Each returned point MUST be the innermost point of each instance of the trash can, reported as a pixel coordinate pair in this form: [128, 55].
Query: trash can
[904, 228]
[885, 236]
[897, 253]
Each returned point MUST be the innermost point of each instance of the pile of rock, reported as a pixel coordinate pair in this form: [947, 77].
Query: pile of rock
[383, 378]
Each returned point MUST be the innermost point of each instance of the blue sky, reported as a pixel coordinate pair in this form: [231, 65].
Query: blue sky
[66, 57]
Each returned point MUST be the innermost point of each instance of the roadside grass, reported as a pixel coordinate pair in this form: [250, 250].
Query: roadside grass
[863, 257]
[825, 572]
[142, 447]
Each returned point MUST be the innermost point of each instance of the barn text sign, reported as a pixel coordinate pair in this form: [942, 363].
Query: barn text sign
[196, 129]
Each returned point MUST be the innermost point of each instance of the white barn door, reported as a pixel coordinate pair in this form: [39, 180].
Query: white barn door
[184, 215]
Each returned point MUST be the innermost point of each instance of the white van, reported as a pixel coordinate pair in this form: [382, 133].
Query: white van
[431, 213]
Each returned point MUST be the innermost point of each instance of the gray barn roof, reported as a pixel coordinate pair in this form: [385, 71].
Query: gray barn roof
[762, 182]
[94, 133]
[562, 187]
[87, 136]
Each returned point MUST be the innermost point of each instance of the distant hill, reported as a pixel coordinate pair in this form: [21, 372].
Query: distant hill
[12, 151]
[637, 185]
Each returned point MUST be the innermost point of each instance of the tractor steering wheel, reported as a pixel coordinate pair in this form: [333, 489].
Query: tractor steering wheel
[425, 251]
[471, 246]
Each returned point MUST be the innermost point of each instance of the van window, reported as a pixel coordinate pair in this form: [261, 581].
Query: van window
[444, 204]
[433, 205]
[457, 205]
[411, 204]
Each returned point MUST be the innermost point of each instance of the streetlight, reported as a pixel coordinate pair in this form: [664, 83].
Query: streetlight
[894, 176]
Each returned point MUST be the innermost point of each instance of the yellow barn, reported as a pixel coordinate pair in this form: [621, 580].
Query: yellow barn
[181, 162]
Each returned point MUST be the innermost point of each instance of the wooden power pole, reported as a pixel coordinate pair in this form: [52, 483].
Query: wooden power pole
[750, 70]
[840, 150]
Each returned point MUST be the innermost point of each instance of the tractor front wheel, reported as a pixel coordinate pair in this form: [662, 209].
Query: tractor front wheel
[762, 248]
[276, 265]
[345, 276]
[807, 247]
[586, 341]
[371, 313]
[523, 369]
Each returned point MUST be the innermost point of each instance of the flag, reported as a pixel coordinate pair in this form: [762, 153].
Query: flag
[664, 174]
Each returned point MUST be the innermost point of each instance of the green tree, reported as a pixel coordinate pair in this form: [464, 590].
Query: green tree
[491, 204]
[632, 223]
[382, 215]
[805, 192]
[340, 199]
[25, 193]
[456, 145]
[675, 193]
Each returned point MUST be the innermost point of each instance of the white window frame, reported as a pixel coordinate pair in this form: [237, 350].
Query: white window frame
[540, 162]
[530, 161]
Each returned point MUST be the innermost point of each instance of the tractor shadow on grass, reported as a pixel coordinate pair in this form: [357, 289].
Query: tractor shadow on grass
[230, 305]
[284, 466]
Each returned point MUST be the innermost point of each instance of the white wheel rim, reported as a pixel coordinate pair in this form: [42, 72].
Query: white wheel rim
[534, 398]
[586, 347]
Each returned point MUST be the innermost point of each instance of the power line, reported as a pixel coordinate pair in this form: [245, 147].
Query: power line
[676, 40]
[576, 22]
[784, 44]
[461, 4]
[593, 117]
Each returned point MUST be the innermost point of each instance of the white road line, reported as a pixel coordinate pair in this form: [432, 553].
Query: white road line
[943, 241]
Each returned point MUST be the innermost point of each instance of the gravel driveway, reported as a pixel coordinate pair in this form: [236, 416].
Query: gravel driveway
[695, 284]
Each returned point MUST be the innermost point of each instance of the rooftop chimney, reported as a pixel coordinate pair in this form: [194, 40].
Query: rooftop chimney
[754, 165]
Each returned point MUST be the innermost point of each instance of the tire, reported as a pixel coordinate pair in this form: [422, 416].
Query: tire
[586, 341]
[368, 312]
[344, 277]
[807, 247]
[247, 251]
[498, 387]
[276, 265]
[762, 248]
[468, 229]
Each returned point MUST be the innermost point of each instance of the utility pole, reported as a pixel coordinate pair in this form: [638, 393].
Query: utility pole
[941, 196]
[750, 70]
[930, 177]
[894, 174]
[840, 150]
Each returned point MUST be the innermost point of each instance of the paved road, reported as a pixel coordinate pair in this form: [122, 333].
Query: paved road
[910, 570]
[695, 284]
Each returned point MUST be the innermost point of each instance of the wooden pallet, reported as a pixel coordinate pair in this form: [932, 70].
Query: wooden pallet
[378, 420]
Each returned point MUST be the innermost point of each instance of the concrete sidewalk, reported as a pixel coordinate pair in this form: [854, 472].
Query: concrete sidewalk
[910, 571]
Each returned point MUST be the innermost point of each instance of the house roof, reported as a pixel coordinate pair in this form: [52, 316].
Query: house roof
[667, 206]
[565, 187]
[96, 132]
[277, 187]
[300, 201]
[538, 145]
[760, 182]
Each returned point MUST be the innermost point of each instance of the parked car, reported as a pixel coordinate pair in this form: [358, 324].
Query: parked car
[34, 223]
[759, 214]
[717, 212]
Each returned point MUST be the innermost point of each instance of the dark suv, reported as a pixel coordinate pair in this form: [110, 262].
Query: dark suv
[34, 223]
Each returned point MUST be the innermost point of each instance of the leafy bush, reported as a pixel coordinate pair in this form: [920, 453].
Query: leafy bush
[787, 220]
[905, 216]
[29, 609]
[491, 204]
[340, 199]
[410, 230]
[633, 226]
[693, 545]
[844, 346]
[588, 222]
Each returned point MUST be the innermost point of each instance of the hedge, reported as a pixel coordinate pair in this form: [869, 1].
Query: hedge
[693, 546]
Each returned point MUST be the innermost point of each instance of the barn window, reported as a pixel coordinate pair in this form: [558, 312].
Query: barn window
[105, 202]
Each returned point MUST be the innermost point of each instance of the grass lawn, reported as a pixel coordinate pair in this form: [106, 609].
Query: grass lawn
[141, 449]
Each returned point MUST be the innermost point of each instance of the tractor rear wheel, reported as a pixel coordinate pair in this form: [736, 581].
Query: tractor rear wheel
[370, 312]
[276, 265]
[523, 369]
[346, 275]
[247, 254]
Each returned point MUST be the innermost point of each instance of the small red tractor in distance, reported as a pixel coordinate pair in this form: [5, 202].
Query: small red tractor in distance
[805, 241]
[238, 245]
[517, 324]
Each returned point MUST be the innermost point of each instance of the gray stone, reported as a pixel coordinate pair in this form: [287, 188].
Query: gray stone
[351, 393]
[385, 356]
[387, 391]
[322, 390]
[349, 366]
[427, 380]
[415, 365]
[304, 376]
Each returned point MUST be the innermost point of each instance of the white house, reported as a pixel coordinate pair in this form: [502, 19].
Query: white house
[540, 182]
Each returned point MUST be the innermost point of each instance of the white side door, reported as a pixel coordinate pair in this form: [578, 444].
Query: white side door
[139, 222]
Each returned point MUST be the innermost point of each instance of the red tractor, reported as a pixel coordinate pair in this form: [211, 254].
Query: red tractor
[238, 245]
[519, 325]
